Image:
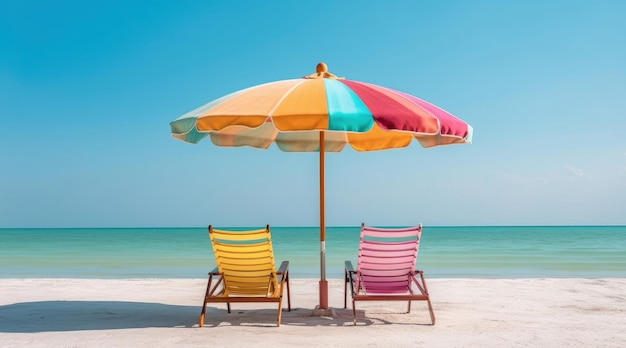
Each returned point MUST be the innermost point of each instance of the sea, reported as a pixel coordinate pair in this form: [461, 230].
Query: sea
[445, 252]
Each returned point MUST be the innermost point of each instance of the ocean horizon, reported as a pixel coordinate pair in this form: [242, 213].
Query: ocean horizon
[445, 252]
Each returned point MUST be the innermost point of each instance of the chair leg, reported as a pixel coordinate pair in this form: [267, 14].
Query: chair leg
[432, 313]
[280, 311]
[201, 322]
[345, 289]
[228, 306]
[280, 302]
[354, 311]
[430, 306]
[409, 309]
[206, 295]
[288, 293]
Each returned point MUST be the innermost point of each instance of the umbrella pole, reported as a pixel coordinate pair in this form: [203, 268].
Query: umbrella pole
[323, 282]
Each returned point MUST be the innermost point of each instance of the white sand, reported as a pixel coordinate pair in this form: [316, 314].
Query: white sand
[164, 313]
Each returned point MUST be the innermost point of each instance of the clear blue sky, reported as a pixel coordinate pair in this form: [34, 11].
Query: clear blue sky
[88, 88]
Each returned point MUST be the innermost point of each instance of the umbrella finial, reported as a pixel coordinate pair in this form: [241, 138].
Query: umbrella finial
[321, 68]
[321, 72]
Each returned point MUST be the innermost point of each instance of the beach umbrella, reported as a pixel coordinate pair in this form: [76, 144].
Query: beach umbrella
[321, 113]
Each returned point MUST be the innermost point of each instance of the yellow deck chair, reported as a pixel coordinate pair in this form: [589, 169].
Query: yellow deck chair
[245, 270]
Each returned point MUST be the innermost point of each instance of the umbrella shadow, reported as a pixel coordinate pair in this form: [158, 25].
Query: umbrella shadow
[47, 316]
[60, 316]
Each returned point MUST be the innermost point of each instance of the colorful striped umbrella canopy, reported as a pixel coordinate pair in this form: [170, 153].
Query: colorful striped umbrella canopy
[321, 112]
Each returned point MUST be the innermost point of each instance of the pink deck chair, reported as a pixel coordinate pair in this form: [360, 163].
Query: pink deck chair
[386, 268]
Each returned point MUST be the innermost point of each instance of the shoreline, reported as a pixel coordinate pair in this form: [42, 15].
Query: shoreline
[471, 312]
[460, 252]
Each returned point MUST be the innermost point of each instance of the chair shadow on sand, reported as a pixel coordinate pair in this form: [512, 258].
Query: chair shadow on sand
[241, 316]
[44, 316]
[53, 316]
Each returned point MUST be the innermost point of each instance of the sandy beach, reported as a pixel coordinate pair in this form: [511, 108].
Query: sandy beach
[164, 313]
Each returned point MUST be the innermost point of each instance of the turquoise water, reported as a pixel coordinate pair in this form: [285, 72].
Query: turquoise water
[470, 252]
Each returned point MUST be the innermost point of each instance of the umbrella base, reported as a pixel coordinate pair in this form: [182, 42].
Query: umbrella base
[323, 312]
